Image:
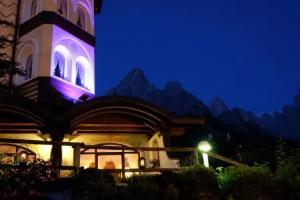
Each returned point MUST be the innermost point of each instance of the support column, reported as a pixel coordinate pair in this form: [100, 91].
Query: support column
[56, 157]
[76, 158]
[123, 163]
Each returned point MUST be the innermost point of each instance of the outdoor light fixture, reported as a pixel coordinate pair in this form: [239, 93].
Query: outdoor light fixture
[142, 163]
[204, 147]
[84, 97]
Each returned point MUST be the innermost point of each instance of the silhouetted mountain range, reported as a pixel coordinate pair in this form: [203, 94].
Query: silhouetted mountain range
[175, 99]
[286, 122]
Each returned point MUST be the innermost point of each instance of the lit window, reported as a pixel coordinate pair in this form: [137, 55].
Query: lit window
[80, 74]
[81, 18]
[33, 8]
[59, 62]
[29, 67]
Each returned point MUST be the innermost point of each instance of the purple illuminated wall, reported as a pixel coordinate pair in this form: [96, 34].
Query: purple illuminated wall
[74, 50]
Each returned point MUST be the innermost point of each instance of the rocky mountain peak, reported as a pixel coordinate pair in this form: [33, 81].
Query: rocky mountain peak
[173, 85]
[136, 75]
[217, 107]
[173, 98]
[134, 84]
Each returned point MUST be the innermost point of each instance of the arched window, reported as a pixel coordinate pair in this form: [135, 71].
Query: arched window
[62, 7]
[33, 8]
[28, 68]
[80, 74]
[59, 62]
[80, 18]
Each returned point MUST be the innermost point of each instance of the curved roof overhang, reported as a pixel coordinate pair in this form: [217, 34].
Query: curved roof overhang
[19, 115]
[115, 114]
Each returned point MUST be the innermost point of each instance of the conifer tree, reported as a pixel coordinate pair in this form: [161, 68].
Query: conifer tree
[285, 168]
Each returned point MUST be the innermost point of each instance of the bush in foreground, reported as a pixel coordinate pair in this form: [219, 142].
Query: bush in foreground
[246, 183]
[195, 182]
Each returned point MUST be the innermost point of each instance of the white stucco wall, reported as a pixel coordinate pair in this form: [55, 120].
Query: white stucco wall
[165, 161]
[40, 41]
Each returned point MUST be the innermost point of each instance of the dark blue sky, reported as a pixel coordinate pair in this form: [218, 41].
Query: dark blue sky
[246, 52]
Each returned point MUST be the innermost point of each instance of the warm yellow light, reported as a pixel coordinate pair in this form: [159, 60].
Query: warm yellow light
[67, 155]
[128, 174]
[44, 151]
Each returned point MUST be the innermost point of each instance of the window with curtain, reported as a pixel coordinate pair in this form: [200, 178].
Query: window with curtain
[81, 18]
[80, 74]
[59, 62]
[29, 63]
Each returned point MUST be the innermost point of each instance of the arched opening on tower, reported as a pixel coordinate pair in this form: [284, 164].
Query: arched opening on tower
[60, 63]
[62, 7]
[33, 8]
[29, 65]
[81, 18]
[27, 58]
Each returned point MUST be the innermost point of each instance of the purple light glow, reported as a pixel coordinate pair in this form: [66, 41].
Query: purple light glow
[68, 90]
[74, 50]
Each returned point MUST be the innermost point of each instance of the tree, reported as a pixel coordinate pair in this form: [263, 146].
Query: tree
[8, 66]
[286, 169]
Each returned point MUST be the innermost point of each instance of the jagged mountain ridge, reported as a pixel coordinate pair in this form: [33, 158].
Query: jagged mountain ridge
[286, 122]
[217, 107]
[175, 99]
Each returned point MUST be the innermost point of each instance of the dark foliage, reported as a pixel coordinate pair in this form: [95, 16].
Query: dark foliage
[196, 182]
[287, 174]
[247, 183]
[24, 181]
[7, 66]
[93, 184]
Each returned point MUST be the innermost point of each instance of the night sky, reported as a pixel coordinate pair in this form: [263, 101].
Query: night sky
[246, 52]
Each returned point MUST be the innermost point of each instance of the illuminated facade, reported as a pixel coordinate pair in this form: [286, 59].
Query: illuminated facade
[57, 44]
[56, 97]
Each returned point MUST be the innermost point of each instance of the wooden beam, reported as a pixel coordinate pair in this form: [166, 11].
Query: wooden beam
[76, 158]
[19, 131]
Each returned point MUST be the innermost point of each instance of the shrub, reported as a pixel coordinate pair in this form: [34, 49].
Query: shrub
[195, 182]
[246, 183]
[144, 187]
[198, 182]
[287, 172]
[94, 184]
[24, 181]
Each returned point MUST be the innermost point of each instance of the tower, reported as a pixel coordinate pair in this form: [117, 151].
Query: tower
[56, 49]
